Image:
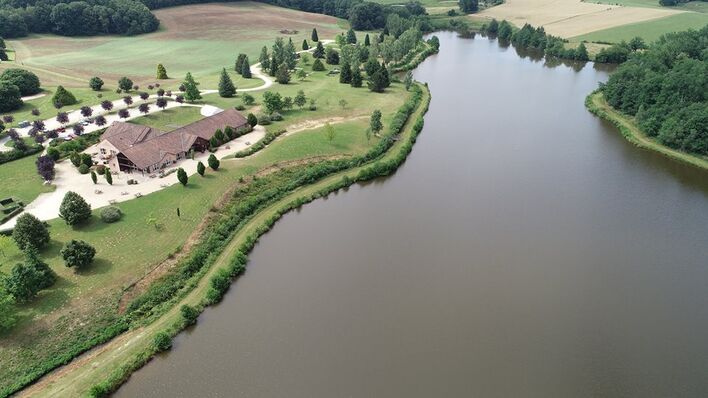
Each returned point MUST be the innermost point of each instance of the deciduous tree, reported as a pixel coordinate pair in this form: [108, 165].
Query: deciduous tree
[74, 209]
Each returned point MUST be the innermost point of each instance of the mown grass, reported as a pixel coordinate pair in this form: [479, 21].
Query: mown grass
[80, 305]
[170, 119]
[648, 30]
[20, 179]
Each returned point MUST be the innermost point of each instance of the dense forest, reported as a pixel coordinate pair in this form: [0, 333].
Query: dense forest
[129, 17]
[666, 88]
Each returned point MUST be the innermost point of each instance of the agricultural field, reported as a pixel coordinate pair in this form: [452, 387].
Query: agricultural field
[200, 39]
[649, 30]
[572, 18]
[696, 6]
[82, 304]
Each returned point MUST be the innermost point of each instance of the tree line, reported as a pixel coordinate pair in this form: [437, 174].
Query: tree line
[131, 17]
[76, 18]
[666, 89]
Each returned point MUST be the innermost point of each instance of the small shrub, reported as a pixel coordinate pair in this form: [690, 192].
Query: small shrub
[78, 253]
[276, 117]
[240, 107]
[263, 120]
[162, 342]
[189, 314]
[83, 169]
[111, 214]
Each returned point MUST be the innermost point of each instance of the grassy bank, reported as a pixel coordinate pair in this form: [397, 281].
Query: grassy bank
[596, 103]
[118, 358]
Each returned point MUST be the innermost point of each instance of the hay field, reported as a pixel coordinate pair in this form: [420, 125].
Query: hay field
[568, 18]
[649, 30]
[199, 38]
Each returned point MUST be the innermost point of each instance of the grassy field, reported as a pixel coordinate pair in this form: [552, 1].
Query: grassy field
[19, 179]
[82, 304]
[170, 119]
[649, 30]
[197, 38]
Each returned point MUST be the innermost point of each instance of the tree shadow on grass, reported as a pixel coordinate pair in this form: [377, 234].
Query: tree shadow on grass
[99, 266]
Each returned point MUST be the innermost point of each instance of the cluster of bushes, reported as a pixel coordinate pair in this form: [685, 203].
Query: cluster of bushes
[262, 143]
[665, 88]
[75, 18]
[60, 148]
[19, 151]
[620, 52]
[538, 39]
[14, 84]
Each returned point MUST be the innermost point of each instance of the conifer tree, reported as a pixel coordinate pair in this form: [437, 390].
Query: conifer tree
[161, 72]
[345, 76]
[319, 51]
[314, 35]
[246, 68]
[367, 41]
[357, 79]
[305, 46]
[226, 85]
[351, 36]
[191, 92]
[264, 59]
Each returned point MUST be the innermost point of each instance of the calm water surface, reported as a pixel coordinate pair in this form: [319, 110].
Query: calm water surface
[523, 250]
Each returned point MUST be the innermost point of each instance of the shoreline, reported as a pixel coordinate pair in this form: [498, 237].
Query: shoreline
[103, 369]
[596, 104]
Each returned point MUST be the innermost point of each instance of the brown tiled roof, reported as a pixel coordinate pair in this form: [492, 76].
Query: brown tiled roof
[125, 135]
[206, 127]
[146, 146]
[153, 151]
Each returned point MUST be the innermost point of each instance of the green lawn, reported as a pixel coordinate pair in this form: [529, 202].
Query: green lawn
[170, 119]
[20, 179]
[82, 304]
[649, 30]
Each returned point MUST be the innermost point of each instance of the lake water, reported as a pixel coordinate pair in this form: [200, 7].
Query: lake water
[524, 249]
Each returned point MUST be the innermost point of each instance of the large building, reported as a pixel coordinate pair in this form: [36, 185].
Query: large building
[131, 147]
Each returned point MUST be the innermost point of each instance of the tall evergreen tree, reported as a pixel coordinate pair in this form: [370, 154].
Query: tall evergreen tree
[290, 55]
[319, 51]
[351, 36]
[345, 75]
[367, 41]
[246, 68]
[191, 91]
[305, 46]
[239, 63]
[357, 79]
[273, 66]
[226, 85]
[314, 36]
[264, 59]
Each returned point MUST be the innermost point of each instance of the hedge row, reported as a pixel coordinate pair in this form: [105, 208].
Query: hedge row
[267, 139]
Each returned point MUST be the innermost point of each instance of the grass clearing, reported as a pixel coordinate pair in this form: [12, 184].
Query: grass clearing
[170, 119]
[20, 179]
[695, 6]
[649, 30]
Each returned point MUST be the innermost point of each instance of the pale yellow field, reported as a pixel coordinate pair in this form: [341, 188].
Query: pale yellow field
[568, 18]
